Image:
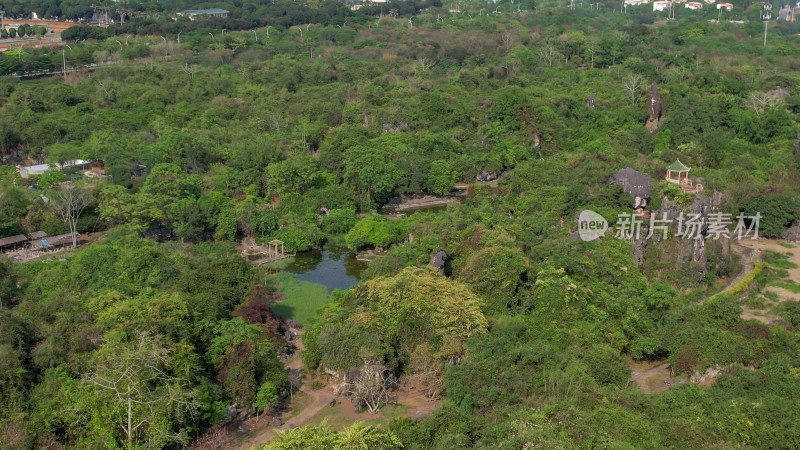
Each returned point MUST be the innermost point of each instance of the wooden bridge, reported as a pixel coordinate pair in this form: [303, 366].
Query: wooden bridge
[274, 252]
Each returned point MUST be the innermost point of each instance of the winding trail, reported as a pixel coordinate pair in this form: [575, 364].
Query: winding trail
[748, 256]
[321, 398]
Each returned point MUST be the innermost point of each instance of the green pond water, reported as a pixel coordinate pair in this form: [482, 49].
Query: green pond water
[334, 269]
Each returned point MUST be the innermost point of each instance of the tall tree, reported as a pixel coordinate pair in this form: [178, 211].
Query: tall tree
[135, 391]
[68, 203]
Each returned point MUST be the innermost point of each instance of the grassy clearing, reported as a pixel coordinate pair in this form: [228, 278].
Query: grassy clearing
[789, 286]
[303, 298]
[779, 260]
[335, 417]
[786, 245]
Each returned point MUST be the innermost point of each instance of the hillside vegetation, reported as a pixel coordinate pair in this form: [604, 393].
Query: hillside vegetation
[302, 133]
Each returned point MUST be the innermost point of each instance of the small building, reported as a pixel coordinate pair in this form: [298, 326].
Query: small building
[636, 2]
[212, 12]
[676, 172]
[693, 5]
[785, 13]
[662, 5]
[12, 242]
[37, 235]
[728, 6]
[38, 169]
[52, 242]
[98, 167]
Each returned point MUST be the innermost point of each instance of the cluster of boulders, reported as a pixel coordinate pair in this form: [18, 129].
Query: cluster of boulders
[239, 414]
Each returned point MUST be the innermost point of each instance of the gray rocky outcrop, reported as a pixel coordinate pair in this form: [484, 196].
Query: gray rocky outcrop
[793, 233]
[654, 108]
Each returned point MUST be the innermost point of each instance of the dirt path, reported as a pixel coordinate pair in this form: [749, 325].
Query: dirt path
[650, 376]
[748, 256]
[321, 398]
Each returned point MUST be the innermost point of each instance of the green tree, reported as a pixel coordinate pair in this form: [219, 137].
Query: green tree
[267, 395]
[372, 172]
[375, 230]
[131, 389]
[441, 178]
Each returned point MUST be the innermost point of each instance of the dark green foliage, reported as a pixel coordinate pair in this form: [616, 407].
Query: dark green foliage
[227, 137]
[104, 300]
[777, 211]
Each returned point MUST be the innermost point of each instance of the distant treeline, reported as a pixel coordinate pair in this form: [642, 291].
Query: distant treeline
[280, 14]
[243, 14]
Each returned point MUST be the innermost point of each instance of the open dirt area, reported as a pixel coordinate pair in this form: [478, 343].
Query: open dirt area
[650, 376]
[765, 315]
[321, 404]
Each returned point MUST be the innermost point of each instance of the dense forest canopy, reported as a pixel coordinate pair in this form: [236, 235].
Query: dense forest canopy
[302, 129]
[242, 13]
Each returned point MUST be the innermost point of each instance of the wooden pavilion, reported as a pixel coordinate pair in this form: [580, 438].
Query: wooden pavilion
[272, 248]
[678, 173]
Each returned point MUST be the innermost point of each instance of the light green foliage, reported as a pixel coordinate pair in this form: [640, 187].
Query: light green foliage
[416, 306]
[339, 221]
[229, 137]
[298, 237]
[267, 395]
[50, 178]
[153, 318]
[372, 172]
[441, 178]
[744, 284]
[374, 230]
[321, 437]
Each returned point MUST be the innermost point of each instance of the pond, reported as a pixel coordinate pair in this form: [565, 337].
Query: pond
[334, 269]
[307, 279]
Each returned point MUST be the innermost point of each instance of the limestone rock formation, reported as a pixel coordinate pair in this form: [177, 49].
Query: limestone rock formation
[635, 183]
[485, 176]
[438, 260]
[655, 108]
[793, 233]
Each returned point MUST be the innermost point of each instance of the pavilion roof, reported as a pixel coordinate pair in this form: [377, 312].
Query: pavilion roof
[677, 166]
